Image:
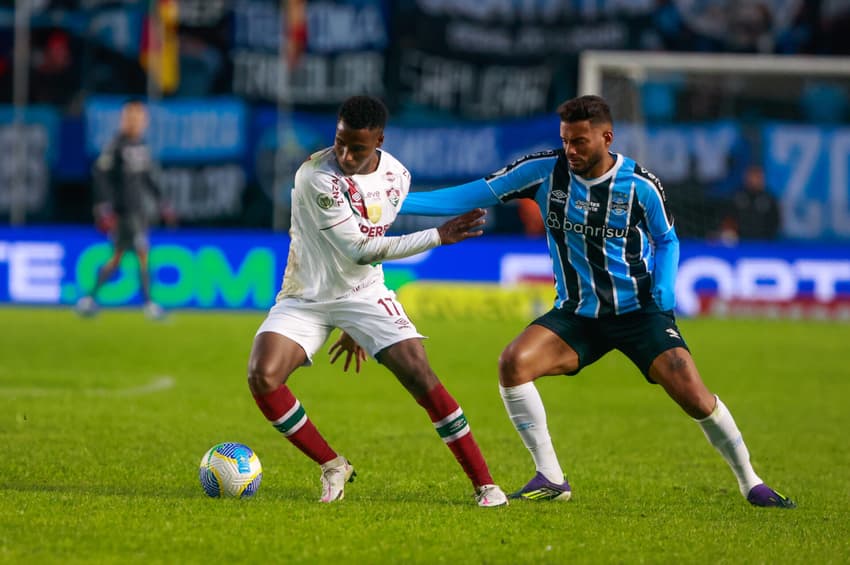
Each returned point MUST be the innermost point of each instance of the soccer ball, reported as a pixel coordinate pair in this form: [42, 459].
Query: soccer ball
[230, 470]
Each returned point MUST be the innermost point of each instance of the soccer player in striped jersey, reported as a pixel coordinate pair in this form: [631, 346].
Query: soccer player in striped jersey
[614, 253]
[344, 200]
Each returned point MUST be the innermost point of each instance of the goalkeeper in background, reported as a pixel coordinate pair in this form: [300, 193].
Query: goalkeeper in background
[123, 180]
[615, 254]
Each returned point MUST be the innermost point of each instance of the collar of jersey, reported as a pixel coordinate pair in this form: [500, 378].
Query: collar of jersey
[618, 162]
[377, 169]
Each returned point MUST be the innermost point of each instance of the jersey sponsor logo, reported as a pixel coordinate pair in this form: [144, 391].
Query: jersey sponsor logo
[587, 205]
[520, 161]
[552, 222]
[324, 201]
[336, 192]
[655, 180]
[619, 203]
[559, 196]
[374, 231]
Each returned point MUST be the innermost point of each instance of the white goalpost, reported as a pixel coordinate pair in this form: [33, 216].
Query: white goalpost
[638, 64]
[697, 119]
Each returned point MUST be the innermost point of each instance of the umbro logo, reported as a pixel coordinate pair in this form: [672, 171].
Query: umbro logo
[559, 195]
[673, 333]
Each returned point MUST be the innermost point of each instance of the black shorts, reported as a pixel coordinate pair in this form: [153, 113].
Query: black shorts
[131, 232]
[641, 335]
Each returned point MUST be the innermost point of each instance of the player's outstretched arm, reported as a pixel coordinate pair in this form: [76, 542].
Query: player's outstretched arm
[459, 228]
[450, 200]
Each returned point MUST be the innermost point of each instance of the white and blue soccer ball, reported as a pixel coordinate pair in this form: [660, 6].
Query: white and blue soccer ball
[230, 470]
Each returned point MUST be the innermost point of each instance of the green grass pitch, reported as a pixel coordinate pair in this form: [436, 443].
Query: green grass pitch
[103, 423]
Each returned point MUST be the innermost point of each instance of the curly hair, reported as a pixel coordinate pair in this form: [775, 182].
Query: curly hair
[363, 112]
[588, 107]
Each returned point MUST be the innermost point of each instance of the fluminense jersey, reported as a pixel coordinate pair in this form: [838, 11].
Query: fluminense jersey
[611, 240]
[339, 224]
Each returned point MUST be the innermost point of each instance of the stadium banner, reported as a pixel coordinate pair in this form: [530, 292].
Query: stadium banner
[204, 192]
[487, 60]
[433, 154]
[488, 277]
[708, 154]
[36, 136]
[181, 131]
[345, 52]
[808, 168]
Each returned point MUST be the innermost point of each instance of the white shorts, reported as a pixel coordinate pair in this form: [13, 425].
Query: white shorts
[373, 317]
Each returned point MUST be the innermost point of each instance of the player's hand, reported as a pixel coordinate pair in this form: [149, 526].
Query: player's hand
[458, 229]
[346, 344]
[105, 219]
[169, 216]
[664, 298]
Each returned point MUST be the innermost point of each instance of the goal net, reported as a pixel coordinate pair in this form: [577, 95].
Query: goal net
[700, 120]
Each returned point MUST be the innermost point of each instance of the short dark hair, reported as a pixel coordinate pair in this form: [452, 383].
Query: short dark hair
[363, 112]
[588, 107]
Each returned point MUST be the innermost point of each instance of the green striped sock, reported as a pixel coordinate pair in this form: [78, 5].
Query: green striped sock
[292, 421]
[453, 426]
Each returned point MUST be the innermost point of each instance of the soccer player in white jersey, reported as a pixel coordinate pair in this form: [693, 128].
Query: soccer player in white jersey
[344, 201]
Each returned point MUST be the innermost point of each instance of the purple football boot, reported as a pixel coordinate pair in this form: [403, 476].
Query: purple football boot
[540, 488]
[763, 495]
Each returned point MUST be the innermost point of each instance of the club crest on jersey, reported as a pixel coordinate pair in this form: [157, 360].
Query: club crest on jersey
[619, 203]
[394, 196]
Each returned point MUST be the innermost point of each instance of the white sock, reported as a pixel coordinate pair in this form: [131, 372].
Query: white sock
[525, 408]
[722, 432]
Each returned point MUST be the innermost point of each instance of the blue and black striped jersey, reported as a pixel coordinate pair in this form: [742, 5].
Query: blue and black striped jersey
[611, 239]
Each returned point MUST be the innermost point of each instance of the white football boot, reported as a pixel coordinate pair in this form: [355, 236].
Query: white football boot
[335, 473]
[490, 496]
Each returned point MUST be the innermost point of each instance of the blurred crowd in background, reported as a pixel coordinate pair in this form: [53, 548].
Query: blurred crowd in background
[241, 91]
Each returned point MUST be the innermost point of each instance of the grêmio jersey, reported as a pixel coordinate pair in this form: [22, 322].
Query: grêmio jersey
[611, 240]
[339, 224]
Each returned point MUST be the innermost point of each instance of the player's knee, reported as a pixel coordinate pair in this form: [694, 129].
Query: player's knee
[676, 364]
[514, 367]
[263, 377]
